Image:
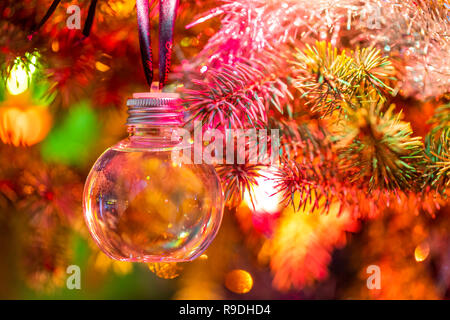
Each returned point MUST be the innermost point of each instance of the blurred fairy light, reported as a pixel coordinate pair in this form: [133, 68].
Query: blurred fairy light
[33, 62]
[55, 46]
[118, 8]
[17, 82]
[103, 264]
[300, 248]
[422, 251]
[22, 121]
[263, 198]
[71, 141]
[185, 42]
[101, 66]
[20, 74]
[263, 201]
[239, 281]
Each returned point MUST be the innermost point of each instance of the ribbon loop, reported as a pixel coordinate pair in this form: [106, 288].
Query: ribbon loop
[145, 39]
[167, 14]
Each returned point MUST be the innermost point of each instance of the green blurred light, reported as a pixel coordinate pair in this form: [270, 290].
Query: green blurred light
[71, 142]
[2, 90]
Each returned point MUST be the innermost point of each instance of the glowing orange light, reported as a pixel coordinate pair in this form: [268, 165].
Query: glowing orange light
[23, 126]
[121, 8]
[422, 251]
[55, 46]
[186, 42]
[101, 66]
[239, 281]
[299, 250]
[209, 31]
[103, 263]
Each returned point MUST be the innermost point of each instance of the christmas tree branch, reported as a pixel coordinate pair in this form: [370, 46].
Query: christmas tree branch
[437, 151]
[328, 79]
[376, 147]
[236, 96]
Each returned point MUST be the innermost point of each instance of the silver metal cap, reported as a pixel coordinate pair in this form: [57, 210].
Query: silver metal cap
[155, 109]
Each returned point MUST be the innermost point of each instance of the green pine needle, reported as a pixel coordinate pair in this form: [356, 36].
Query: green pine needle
[437, 151]
[377, 147]
[329, 79]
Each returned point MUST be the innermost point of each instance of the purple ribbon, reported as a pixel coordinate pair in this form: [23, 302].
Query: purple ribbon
[145, 39]
[167, 14]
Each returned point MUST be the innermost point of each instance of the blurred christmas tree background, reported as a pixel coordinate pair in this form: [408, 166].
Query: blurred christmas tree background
[359, 90]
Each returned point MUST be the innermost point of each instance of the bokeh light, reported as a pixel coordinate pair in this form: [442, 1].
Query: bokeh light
[103, 263]
[22, 123]
[300, 249]
[72, 140]
[18, 79]
[262, 198]
[20, 73]
[239, 281]
[422, 251]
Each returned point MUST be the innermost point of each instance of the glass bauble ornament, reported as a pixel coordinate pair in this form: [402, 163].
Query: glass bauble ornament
[141, 205]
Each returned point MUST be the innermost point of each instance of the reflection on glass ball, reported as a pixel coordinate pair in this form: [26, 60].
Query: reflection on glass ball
[141, 206]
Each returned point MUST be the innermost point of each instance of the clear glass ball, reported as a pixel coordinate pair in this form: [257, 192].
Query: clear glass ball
[139, 205]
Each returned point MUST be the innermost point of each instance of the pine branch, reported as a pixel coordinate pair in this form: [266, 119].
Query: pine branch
[303, 137]
[437, 151]
[237, 96]
[328, 79]
[309, 174]
[318, 184]
[441, 118]
[438, 161]
[237, 179]
[304, 180]
[376, 147]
